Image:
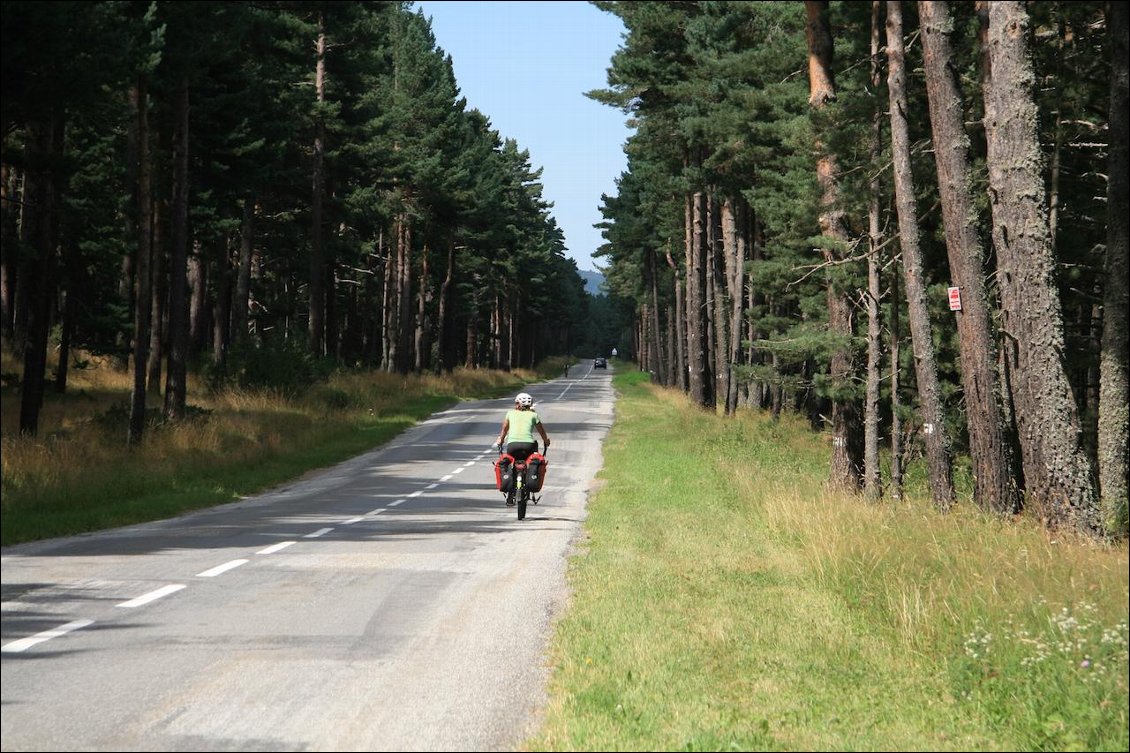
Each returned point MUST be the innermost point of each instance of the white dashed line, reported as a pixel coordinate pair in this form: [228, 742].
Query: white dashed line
[275, 547]
[378, 511]
[469, 463]
[447, 477]
[351, 521]
[316, 534]
[430, 486]
[23, 644]
[397, 502]
[220, 569]
[415, 494]
[151, 596]
[457, 470]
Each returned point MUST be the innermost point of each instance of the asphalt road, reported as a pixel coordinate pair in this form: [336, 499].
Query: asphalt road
[392, 602]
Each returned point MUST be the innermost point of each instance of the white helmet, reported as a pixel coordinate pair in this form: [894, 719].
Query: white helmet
[524, 399]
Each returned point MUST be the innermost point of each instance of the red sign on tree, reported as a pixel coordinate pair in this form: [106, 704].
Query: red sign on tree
[955, 299]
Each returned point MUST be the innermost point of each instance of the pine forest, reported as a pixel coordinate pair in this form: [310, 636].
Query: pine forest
[906, 222]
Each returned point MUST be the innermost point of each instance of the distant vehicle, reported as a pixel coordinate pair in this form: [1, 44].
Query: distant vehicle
[600, 363]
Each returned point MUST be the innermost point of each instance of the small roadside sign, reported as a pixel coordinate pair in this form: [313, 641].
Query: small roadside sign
[955, 299]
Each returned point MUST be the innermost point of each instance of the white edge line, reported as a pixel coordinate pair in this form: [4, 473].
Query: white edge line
[24, 644]
[152, 596]
[220, 569]
[316, 534]
[275, 547]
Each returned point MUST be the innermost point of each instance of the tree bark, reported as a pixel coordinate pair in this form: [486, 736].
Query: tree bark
[158, 294]
[8, 215]
[990, 446]
[897, 452]
[176, 375]
[242, 299]
[845, 470]
[142, 299]
[45, 137]
[696, 301]
[922, 340]
[317, 256]
[1114, 383]
[199, 272]
[421, 345]
[679, 354]
[733, 252]
[404, 294]
[872, 478]
[1057, 472]
[443, 325]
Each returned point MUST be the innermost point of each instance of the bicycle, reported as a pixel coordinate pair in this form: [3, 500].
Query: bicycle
[519, 494]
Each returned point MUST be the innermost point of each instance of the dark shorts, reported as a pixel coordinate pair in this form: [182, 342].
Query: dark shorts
[521, 450]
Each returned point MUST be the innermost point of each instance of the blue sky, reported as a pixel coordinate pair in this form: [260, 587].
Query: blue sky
[526, 66]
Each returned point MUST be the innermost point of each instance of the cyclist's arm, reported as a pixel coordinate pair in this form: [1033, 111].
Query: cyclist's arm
[502, 433]
[541, 430]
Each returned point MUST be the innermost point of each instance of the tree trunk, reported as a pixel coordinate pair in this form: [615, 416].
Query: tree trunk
[423, 299]
[198, 273]
[921, 334]
[679, 354]
[221, 307]
[242, 299]
[696, 302]
[157, 316]
[1114, 385]
[388, 304]
[994, 469]
[177, 371]
[142, 301]
[45, 141]
[717, 308]
[404, 295]
[8, 216]
[872, 478]
[897, 452]
[443, 326]
[1058, 474]
[658, 362]
[845, 471]
[317, 256]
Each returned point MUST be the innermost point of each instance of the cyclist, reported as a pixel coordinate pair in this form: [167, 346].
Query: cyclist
[518, 428]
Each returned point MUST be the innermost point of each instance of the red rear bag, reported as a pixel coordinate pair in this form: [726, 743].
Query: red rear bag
[535, 473]
[504, 472]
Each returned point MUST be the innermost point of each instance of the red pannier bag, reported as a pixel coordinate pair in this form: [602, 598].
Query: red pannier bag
[504, 472]
[535, 471]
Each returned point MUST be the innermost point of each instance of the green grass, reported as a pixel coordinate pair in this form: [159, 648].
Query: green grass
[723, 600]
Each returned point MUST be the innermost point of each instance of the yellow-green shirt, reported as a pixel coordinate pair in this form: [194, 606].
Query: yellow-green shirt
[522, 424]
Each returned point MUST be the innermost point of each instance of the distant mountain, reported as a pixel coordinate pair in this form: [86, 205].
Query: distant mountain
[593, 281]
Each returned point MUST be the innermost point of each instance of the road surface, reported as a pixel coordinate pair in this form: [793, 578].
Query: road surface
[391, 602]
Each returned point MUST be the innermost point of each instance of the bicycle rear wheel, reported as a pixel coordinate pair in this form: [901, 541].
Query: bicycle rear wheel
[523, 498]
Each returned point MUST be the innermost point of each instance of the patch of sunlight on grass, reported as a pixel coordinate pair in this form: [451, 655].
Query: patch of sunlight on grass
[724, 599]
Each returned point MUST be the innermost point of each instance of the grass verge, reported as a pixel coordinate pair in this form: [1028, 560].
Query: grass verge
[723, 600]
